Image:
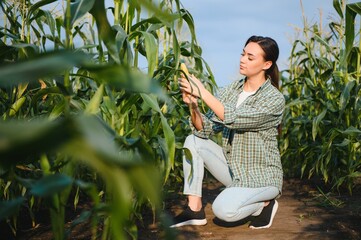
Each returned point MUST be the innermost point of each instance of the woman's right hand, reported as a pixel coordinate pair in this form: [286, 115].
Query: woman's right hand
[189, 99]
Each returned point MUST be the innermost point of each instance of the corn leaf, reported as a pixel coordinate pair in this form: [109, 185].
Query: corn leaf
[10, 208]
[79, 8]
[316, 123]
[50, 185]
[345, 96]
[44, 65]
[93, 107]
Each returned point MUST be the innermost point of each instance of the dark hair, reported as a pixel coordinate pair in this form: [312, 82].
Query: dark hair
[270, 48]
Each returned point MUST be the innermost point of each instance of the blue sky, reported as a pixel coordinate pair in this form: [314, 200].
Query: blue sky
[222, 27]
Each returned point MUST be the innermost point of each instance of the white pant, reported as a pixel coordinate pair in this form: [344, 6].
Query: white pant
[233, 203]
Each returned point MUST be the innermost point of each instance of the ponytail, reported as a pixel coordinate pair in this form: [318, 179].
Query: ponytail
[274, 74]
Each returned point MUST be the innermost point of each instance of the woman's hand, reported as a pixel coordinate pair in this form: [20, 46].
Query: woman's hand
[193, 87]
[190, 100]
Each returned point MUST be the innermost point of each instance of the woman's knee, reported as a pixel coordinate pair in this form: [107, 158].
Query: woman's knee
[223, 211]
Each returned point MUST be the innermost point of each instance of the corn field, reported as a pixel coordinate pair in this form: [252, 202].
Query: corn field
[90, 108]
[321, 126]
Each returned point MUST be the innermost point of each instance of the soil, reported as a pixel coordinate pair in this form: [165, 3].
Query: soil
[305, 212]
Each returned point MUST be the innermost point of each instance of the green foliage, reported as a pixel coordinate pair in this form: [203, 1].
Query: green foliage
[321, 132]
[80, 117]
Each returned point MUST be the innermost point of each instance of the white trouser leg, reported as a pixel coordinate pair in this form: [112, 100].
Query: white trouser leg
[205, 154]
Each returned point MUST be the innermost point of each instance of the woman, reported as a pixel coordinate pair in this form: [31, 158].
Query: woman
[248, 112]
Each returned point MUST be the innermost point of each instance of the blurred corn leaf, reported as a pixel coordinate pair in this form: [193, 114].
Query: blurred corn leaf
[50, 185]
[11, 207]
[46, 64]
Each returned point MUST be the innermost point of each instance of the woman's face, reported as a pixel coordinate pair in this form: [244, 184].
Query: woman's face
[252, 61]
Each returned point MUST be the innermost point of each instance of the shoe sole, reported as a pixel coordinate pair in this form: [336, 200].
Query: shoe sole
[274, 210]
[190, 222]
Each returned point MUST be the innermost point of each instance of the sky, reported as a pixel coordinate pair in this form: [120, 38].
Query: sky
[222, 28]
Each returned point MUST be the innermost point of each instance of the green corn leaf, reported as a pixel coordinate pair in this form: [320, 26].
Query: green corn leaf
[168, 132]
[21, 90]
[189, 157]
[47, 64]
[176, 48]
[90, 189]
[50, 185]
[337, 7]
[165, 17]
[346, 94]
[332, 134]
[358, 104]
[42, 93]
[298, 102]
[10, 208]
[79, 8]
[16, 106]
[190, 22]
[93, 107]
[140, 179]
[309, 83]
[32, 138]
[170, 138]
[51, 21]
[121, 77]
[152, 20]
[355, 7]
[351, 11]
[106, 33]
[151, 48]
[57, 110]
[316, 123]
[121, 36]
[37, 6]
[323, 42]
[344, 143]
[352, 131]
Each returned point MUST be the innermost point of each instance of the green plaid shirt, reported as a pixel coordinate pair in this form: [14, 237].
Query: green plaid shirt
[249, 134]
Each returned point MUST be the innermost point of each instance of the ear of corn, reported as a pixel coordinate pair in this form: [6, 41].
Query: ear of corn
[184, 68]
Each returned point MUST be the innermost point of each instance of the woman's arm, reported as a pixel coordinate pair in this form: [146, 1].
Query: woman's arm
[213, 103]
[192, 103]
[196, 118]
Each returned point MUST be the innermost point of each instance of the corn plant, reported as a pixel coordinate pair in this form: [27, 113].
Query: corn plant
[321, 132]
[74, 93]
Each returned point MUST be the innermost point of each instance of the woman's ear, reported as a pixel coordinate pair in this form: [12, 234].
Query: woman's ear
[267, 65]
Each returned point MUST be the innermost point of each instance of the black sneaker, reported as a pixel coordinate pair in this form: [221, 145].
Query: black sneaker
[265, 219]
[189, 217]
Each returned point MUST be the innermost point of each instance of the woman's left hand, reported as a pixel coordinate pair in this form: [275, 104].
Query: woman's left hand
[194, 86]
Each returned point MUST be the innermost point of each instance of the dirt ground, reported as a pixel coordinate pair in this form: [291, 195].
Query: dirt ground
[304, 213]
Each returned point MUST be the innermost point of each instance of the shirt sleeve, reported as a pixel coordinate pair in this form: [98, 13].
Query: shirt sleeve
[265, 114]
[209, 126]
